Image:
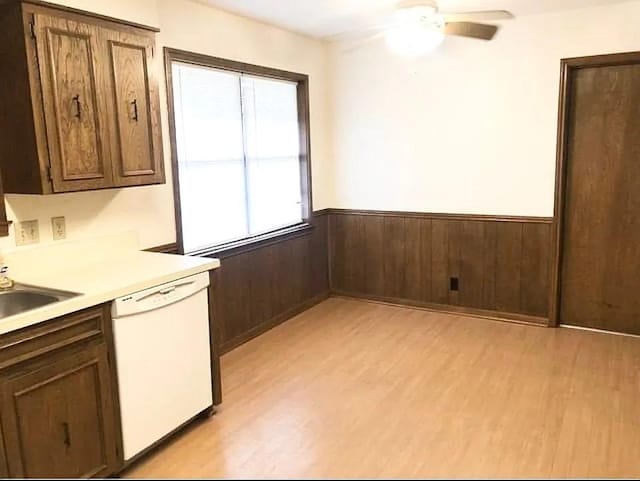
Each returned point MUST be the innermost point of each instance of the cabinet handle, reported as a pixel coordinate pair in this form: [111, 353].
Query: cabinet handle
[76, 100]
[67, 435]
[135, 109]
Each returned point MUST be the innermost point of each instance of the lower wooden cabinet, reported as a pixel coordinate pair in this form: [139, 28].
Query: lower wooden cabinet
[58, 410]
[58, 420]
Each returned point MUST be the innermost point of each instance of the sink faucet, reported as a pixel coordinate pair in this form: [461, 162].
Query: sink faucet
[5, 281]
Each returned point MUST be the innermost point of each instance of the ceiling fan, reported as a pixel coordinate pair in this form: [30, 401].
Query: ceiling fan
[418, 26]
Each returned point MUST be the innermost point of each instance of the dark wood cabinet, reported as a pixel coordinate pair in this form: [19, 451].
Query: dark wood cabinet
[57, 419]
[80, 104]
[74, 112]
[137, 153]
[58, 399]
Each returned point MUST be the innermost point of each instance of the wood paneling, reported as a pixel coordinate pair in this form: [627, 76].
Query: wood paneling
[471, 263]
[259, 287]
[439, 262]
[508, 272]
[598, 194]
[501, 266]
[372, 248]
[454, 234]
[489, 264]
[413, 261]
[393, 259]
[535, 274]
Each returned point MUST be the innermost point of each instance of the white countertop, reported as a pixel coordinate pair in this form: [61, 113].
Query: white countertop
[115, 270]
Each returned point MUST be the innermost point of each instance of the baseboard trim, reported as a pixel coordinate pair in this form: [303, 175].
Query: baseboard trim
[599, 331]
[448, 309]
[273, 322]
[260, 329]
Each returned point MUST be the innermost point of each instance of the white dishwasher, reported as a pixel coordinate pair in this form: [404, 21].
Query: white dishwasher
[163, 359]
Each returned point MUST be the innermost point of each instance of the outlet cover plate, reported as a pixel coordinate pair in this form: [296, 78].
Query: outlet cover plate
[28, 232]
[58, 228]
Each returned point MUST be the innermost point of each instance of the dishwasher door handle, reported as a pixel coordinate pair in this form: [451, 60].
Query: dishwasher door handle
[159, 296]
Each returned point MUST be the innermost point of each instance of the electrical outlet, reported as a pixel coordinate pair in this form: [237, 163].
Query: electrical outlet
[59, 228]
[28, 232]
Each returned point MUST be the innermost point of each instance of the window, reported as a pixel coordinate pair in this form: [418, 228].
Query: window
[239, 139]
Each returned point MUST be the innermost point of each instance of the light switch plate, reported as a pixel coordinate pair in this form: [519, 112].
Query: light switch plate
[28, 232]
[59, 228]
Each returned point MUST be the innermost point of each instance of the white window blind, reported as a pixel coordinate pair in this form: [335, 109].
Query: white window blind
[238, 151]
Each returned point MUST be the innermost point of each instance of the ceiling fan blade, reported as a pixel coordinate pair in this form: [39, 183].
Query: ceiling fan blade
[480, 31]
[477, 16]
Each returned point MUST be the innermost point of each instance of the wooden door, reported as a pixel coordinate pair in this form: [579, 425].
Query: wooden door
[135, 139]
[58, 420]
[74, 103]
[600, 269]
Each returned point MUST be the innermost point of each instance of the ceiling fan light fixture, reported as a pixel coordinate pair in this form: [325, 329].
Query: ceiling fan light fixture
[415, 40]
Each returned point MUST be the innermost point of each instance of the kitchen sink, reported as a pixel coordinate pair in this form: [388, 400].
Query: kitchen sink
[21, 298]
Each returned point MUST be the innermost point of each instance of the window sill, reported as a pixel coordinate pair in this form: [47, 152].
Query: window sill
[256, 242]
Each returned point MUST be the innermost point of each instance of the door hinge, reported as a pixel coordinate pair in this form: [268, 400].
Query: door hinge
[49, 176]
[32, 26]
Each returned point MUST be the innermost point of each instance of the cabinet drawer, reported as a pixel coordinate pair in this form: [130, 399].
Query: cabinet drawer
[34, 341]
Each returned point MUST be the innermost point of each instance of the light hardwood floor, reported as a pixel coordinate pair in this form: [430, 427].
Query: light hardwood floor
[357, 389]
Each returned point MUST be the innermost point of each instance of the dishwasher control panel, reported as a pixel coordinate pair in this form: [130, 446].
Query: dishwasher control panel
[159, 296]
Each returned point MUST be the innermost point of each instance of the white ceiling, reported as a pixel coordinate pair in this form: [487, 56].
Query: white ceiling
[324, 18]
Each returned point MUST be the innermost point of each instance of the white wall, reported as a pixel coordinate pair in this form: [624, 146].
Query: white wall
[190, 26]
[469, 129]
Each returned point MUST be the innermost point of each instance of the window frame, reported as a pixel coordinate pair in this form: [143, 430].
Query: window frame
[302, 80]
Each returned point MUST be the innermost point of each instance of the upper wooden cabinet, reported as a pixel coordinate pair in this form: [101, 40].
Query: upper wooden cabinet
[80, 101]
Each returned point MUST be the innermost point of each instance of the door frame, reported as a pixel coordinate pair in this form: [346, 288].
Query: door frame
[567, 67]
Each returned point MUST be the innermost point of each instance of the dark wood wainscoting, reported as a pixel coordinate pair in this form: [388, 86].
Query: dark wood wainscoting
[264, 285]
[500, 264]
[259, 286]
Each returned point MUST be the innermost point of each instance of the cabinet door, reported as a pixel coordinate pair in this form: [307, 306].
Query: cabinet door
[135, 139]
[58, 419]
[74, 103]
